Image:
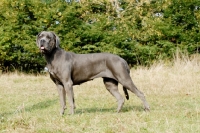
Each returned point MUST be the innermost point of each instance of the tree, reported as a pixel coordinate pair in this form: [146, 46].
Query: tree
[139, 31]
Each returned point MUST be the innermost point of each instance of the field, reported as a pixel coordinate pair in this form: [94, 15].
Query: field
[30, 104]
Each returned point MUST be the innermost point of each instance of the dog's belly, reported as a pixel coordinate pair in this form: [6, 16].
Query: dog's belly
[78, 81]
[84, 77]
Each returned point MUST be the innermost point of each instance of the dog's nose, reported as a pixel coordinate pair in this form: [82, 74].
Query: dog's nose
[42, 41]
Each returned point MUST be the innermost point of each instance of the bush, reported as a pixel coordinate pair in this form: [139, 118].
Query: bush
[140, 32]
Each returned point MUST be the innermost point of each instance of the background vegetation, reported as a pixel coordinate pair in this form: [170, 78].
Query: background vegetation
[139, 31]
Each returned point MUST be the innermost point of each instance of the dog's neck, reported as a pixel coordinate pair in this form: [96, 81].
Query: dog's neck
[49, 57]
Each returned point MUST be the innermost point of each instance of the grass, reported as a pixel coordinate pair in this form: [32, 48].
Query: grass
[30, 103]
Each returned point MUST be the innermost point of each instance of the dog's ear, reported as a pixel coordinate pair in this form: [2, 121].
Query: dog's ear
[57, 40]
[37, 36]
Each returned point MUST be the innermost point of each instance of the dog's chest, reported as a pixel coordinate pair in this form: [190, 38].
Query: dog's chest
[52, 73]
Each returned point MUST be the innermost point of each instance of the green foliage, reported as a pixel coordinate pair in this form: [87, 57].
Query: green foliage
[141, 32]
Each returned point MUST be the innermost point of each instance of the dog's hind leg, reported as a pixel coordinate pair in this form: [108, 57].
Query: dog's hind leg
[112, 87]
[128, 83]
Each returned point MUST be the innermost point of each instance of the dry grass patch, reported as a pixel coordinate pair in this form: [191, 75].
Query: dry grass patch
[30, 103]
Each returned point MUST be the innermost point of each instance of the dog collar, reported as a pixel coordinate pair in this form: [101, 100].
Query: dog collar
[46, 69]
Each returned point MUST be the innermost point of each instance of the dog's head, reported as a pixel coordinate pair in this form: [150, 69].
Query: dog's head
[47, 41]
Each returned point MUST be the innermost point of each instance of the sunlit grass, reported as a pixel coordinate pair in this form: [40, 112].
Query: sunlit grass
[30, 103]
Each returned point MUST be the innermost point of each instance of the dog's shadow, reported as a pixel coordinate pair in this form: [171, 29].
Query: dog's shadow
[47, 103]
[106, 110]
[42, 105]
[38, 106]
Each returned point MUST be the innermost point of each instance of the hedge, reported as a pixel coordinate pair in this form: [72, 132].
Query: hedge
[140, 32]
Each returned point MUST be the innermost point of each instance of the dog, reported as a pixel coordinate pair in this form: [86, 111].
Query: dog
[67, 69]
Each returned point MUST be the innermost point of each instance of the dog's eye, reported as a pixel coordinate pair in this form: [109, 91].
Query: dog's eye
[40, 35]
[48, 37]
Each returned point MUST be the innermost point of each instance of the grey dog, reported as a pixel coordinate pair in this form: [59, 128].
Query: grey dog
[67, 69]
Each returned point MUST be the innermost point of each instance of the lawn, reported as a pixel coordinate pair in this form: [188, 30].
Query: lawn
[30, 103]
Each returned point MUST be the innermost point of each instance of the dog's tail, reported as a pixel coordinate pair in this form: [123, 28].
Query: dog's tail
[126, 93]
[128, 70]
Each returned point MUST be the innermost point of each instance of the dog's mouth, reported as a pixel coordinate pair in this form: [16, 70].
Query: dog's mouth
[42, 48]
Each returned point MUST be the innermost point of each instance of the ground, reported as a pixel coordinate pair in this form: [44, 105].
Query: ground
[30, 103]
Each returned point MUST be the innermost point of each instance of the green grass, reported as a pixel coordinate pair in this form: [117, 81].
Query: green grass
[31, 104]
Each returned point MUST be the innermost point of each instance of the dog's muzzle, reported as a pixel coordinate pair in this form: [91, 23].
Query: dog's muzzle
[42, 48]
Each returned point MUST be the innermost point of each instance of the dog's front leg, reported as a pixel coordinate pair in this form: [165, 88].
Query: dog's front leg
[62, 94]
[69, 90]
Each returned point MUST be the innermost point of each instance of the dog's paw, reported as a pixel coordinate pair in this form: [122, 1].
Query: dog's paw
[147, 109]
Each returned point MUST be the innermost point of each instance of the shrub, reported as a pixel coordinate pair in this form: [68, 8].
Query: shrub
[140, 32]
